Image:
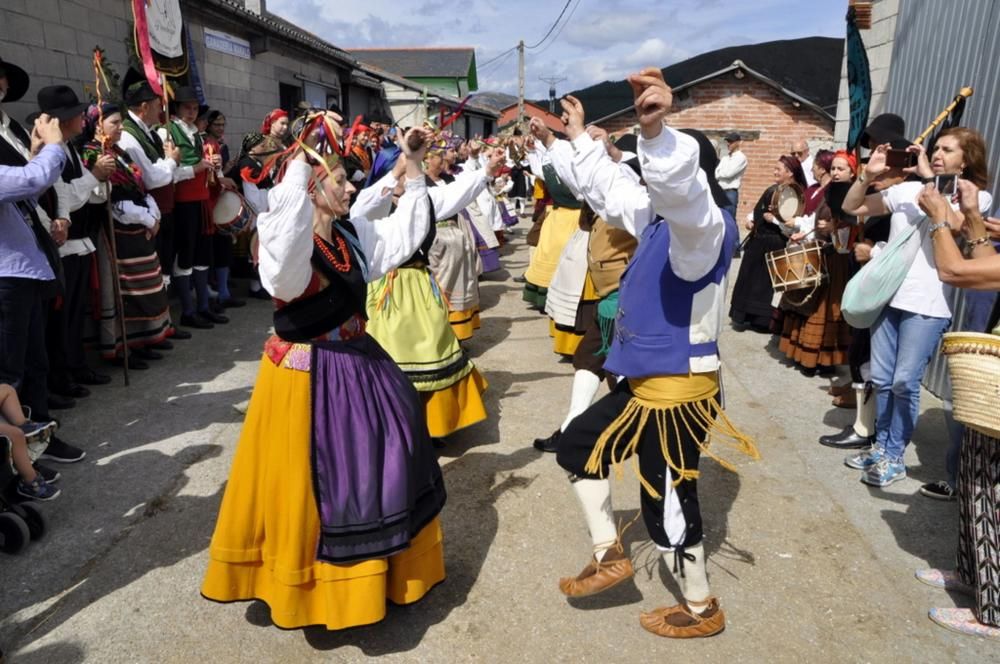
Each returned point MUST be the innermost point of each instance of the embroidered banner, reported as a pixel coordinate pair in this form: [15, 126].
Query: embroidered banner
[164, 20]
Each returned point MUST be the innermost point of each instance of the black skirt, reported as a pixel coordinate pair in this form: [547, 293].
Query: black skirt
[752, 295]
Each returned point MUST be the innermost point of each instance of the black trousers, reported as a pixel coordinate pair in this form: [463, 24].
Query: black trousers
[65, 325]
[24, 361]
[579, 439]
[190, 244]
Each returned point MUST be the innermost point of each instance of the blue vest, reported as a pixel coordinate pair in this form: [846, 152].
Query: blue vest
[652, 328]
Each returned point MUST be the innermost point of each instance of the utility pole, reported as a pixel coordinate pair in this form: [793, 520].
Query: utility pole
[520, 82]
[552, 90]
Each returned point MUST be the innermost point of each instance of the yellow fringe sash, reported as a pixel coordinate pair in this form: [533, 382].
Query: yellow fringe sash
[674, 401]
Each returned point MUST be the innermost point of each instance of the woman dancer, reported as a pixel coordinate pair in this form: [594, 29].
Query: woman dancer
[331, 506]
[752, 294]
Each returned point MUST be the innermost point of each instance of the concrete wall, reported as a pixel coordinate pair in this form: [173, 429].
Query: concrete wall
[53, 40]
[767, 119]
[878, 43]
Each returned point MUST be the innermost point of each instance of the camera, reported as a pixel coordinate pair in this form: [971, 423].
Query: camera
[947, 185]
[900, 159]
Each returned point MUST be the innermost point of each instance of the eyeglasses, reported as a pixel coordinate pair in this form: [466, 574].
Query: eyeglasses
[799, 153]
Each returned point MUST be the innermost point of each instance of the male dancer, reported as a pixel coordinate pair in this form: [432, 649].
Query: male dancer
[667, 407]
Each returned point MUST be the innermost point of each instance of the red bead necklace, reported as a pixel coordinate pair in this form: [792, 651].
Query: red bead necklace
[344, 263]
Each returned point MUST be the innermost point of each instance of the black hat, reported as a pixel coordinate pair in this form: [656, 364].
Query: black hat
[185, 94]
[628, 143]
[518, 132]
[732, 137]
[59, 101]
[885, 128]
[17, 80]
[136, 89]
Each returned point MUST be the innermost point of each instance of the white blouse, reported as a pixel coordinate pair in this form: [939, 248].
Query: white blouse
[286, 233]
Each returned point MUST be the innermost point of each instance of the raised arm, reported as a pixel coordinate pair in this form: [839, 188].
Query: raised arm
[285, 232]
[29, 181]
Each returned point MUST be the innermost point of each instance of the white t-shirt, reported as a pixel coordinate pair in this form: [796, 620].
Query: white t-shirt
[921, 292]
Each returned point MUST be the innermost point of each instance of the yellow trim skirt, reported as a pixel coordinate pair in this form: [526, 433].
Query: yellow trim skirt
[464, 323]
[265, 541]
[456, 407]
[560, 224]
[563, 343]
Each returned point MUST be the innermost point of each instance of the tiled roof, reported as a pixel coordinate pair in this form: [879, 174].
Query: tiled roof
[419, 62]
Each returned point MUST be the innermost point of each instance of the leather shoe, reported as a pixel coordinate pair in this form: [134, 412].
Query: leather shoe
[146, 354]
[57, 402]
[550, 444]
[680, 622]
[178, 334]
[162, 345]
[260, 294]
[213, 317]
[232, 303]
[598, 576]
[90, 377]
[134, 363]
[520, 280]
[71, 390]
[847, 440]
[197, 322]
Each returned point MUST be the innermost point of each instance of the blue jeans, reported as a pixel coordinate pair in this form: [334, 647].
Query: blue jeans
[734, 200]
[902, 345]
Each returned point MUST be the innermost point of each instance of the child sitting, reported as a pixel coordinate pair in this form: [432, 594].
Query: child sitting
[18, 429]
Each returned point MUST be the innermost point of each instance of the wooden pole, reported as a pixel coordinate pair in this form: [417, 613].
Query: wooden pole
[116, 285]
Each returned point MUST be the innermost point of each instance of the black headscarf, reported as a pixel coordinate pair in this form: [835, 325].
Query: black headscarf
[708, 159]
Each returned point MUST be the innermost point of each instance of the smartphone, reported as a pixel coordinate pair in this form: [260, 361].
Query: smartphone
[946, 184]
[900, 159]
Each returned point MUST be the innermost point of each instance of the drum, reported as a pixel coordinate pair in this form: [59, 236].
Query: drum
[974, 366]
[796, 266]
[231, 214]
[787, 202]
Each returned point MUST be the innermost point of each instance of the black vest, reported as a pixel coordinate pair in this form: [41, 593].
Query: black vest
[313, 316]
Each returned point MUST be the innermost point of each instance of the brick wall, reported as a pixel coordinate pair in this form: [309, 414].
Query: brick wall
[53, 40]
[768, 121]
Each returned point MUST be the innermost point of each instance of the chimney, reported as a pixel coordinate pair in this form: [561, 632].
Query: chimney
[258, 7]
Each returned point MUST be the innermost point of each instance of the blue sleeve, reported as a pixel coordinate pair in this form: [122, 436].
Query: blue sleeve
[19, 183]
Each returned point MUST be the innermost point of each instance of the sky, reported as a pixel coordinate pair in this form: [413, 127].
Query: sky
[597, 40]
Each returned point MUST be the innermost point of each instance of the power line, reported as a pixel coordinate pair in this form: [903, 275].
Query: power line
[558, 18]
[492, 60]
[565, 23]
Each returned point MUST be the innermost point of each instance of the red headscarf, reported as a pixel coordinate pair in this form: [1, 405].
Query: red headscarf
[271, 118]
[849, 157]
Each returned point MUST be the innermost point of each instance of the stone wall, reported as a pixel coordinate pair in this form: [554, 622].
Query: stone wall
[768, 120]
[53, 40]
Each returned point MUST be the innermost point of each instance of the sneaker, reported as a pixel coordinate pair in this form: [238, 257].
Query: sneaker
[62, 452]
[963, 621]
[944, 579]
[51, 475]
[37, 490]
[884, 473]
[939, 490]
[865, 459]
[37, 429]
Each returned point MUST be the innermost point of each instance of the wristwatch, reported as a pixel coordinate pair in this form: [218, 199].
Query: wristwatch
[938, 226]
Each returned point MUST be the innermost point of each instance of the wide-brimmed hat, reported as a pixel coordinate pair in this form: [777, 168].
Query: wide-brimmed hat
[185, 94]
[885, 128]
[136, 89]
[17, 80]
[732, 137]
[60, 101]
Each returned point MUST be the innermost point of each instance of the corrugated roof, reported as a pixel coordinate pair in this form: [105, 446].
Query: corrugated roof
[448, 100]
[419, 62]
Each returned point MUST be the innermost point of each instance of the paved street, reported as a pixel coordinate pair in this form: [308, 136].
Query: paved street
[810, 564]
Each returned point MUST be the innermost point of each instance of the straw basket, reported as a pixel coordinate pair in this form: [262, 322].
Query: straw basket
[974, 365]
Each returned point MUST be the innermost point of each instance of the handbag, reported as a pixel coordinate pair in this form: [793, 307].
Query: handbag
[876, 283]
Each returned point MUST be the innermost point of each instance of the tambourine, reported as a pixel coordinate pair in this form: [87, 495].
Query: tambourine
[787, 202]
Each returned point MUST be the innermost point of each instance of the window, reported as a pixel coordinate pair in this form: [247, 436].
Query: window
[289, 97]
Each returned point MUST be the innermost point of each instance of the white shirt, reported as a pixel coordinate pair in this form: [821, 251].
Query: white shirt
[447, 199]
[73, 195]
[676, 190]
[807, 170]
[730, 170]
[286, 233]
[154, 175]
[922, 291]
[183, 172]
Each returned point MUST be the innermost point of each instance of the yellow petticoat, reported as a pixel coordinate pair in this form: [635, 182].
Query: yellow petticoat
[265, 540]
[456, 407]
[560, 224]
[563, 343]
[464, 323]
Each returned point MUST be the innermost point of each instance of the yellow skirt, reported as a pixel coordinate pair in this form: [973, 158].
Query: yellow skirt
[266, 537]
[456, 407]
[464, 323]
[563, 343]
[559, 226]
